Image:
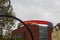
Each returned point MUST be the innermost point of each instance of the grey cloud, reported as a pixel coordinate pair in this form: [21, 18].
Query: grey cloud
[48, 10]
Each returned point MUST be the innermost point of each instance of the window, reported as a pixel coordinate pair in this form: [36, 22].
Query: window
[43, 33]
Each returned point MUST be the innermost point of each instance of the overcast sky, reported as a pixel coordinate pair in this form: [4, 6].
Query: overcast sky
[48, 10]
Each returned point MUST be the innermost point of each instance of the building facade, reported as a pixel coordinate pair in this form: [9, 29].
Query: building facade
[40, 32]
[56, 32]
[24, 33]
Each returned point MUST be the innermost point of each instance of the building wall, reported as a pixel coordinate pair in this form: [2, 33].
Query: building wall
[56, 32]
[34, 29]
[56, 35]
[50, 33]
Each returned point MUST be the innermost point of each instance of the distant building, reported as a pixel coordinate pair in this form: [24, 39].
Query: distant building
[40, 32]
[24, 33]
[56, 32]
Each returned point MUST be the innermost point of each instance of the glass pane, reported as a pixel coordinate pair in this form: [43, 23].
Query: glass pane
[43, 33]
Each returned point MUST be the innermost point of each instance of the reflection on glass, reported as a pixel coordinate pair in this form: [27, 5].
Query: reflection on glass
[43, 33]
